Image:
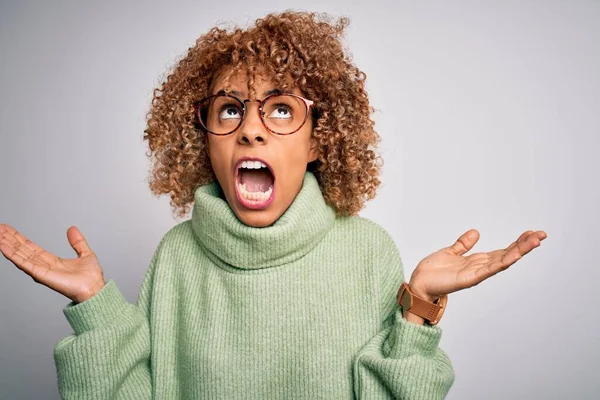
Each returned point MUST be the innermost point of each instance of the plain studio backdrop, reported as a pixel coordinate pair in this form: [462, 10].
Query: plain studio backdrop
[489, 118]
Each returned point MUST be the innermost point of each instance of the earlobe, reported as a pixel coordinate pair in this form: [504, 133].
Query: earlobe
[313, 153]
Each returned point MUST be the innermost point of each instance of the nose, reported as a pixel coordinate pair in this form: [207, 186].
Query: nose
[252, 130]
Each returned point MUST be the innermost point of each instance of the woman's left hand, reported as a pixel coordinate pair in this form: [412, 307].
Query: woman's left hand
[447, 270]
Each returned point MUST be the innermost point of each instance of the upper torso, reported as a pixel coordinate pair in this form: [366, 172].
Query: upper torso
[224, 332]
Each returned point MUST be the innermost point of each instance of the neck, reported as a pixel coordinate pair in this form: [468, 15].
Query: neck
[229, 241]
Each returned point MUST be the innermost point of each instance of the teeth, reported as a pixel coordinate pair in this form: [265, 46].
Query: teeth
[254, 196]
[253, 164]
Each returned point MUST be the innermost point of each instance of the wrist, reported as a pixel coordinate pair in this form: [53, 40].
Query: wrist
[414, 318]
[417, 289]
[91, 292]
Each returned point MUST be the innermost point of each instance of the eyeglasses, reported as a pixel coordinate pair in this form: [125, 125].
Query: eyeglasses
[280, 113]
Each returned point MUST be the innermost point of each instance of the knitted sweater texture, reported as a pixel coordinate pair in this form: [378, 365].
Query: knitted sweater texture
[303, 309]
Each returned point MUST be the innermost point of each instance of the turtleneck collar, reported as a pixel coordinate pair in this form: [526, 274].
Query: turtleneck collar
[241, 246]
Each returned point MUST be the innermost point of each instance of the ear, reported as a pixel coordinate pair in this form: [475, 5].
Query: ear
[313, 153]
[206, 141]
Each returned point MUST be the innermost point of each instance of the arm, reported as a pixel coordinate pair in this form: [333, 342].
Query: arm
[403, 361]
[108, 356]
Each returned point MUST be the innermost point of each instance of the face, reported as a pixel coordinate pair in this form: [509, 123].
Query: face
[259, 196]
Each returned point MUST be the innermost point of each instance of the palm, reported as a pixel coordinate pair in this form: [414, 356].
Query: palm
[447, 270]
[77, 278]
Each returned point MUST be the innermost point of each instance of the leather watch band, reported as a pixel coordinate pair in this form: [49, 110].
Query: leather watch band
[431, 312]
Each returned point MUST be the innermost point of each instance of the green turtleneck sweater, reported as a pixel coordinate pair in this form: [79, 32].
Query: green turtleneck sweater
[303, 309]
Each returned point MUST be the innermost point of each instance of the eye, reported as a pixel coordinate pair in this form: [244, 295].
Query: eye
[229, 112]
[281, 111]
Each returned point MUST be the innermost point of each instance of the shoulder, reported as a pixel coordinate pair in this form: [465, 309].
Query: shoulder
[178, 232]
[178, 235]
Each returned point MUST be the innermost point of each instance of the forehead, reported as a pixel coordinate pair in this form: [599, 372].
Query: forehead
[240, 82]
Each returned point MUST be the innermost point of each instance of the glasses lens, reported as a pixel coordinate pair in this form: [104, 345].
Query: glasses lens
[284, 113]
[220, 114]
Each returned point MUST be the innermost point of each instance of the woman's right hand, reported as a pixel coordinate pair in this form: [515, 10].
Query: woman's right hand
[77, 278]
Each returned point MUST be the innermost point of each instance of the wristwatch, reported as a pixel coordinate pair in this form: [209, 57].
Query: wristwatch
[431, 312]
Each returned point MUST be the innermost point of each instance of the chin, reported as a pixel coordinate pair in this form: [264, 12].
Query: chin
[257, 218]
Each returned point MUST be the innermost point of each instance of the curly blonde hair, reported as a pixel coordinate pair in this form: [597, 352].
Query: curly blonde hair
[305, 46]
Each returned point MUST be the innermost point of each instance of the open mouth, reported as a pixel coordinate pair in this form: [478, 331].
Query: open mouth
[255, 183]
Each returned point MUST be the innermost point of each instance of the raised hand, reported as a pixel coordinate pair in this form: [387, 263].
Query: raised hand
[77, 278]
[447, 270]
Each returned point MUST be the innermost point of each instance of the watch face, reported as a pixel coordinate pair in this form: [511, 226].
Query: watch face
[442, 301]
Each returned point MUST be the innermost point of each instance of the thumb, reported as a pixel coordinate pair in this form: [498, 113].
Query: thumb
[465, 242]
[78, 242]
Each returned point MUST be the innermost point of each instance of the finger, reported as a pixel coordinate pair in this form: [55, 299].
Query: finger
[15, 240]
[465, 242]
[527, 235]
[524, 236]
[541, 235]
[482, 271]
[526, 246]
[78, 242]
[502, 259]
[24, 260]
[521, 238]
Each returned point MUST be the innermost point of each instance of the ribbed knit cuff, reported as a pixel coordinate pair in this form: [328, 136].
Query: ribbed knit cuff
[96, 311]
[407, 338]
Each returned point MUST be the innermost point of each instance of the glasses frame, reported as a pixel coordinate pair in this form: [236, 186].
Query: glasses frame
[307, 102]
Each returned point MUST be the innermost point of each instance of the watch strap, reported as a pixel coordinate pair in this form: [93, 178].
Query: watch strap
[430, 311]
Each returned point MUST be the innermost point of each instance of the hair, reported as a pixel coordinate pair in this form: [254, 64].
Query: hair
[301, 45]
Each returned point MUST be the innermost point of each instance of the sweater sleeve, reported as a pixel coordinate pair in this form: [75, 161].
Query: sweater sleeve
[108, 355]
[403, 361]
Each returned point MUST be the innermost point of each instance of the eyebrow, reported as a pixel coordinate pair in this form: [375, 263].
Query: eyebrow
[239, 94]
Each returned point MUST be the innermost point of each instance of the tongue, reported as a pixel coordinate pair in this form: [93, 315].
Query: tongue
[256, 180]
